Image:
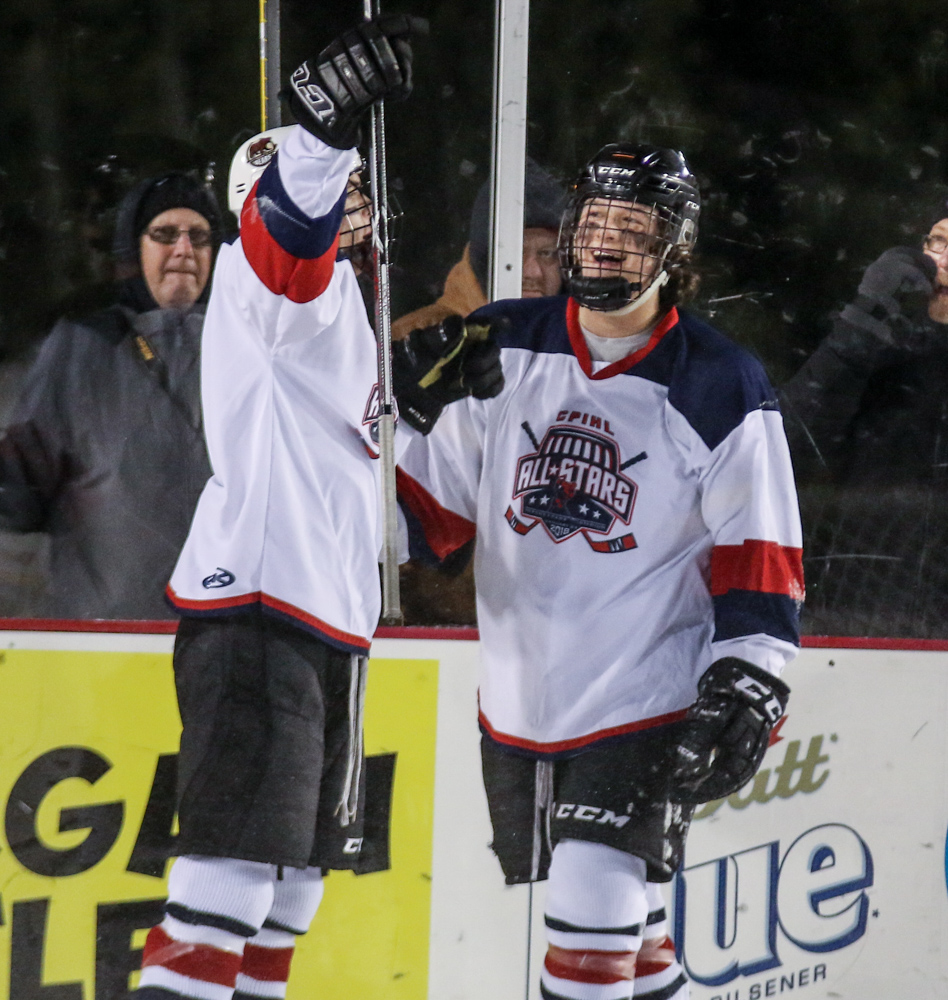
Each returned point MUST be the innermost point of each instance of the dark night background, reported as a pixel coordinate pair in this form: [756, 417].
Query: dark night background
[817, 130]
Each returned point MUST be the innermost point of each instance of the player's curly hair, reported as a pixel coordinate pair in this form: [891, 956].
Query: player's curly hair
[683, 279]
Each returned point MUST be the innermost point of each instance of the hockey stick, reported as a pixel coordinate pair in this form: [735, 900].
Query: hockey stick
[391, 599]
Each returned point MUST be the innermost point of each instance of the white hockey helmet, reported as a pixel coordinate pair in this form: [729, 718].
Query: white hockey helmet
[249, 162]
[252, 158]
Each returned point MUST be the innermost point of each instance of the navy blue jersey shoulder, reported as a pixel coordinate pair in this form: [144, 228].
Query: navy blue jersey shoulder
[537, 325]
[711, 381]
[295, 232]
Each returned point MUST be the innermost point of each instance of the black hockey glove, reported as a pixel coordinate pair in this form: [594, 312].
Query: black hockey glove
[727, 731]
[329, 95]
[441, 364]
[893, 297]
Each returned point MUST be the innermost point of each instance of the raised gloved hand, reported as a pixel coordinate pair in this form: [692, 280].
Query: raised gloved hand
[440, 364]
[329, 95]
[893, 295]
[726, 733]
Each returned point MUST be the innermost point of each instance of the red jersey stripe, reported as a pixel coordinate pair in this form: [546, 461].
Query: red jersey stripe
[211, 604]
[579, 741]
[444, 530]
[349, 638]
[300, 280]
[268, 965]
[765, 567]
[358, 642]
[581, 350]
[202, 962]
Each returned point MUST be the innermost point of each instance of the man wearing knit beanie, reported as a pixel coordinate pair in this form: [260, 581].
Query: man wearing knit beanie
[159, 270]
[465, 287]
[105, 452]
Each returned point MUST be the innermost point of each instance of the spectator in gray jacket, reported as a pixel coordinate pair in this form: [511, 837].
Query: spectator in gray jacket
[105, 450]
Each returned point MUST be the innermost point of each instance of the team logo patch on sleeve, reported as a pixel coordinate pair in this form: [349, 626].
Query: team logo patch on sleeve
[572, 483]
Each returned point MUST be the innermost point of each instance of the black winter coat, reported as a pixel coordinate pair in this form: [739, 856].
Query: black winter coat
[867, 423]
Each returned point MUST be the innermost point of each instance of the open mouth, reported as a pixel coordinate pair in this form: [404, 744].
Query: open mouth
[608, 256]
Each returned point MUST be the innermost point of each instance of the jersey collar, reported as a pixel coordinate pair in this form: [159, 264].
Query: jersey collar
[578, 343]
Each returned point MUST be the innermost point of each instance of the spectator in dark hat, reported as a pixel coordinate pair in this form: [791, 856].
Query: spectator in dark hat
[867, 422]
[464, 289]
[105, 451]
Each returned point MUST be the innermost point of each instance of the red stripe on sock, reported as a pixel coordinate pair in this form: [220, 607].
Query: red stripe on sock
[269, 965]
[656, 956]
[602, 968]
[196, 961]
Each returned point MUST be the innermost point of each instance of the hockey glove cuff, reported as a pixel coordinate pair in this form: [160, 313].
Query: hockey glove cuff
[727, 731]
[329, 95]
[441, 364]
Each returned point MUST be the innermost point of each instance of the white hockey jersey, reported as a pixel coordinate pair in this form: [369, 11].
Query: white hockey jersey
[289, 518]
[635, 521]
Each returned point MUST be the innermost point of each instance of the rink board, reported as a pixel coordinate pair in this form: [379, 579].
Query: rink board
[824, 878]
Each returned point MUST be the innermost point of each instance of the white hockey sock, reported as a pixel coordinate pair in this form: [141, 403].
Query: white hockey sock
[658, 974]
[595, 918]
[214, 905]
[266, 963]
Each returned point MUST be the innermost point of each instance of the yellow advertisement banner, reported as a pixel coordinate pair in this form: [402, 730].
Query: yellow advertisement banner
[87, 744]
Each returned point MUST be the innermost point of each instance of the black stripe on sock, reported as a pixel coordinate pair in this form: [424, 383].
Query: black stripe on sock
[656, 917]
[273, 925]
[197, 917]
[634, 930]
[664, 992]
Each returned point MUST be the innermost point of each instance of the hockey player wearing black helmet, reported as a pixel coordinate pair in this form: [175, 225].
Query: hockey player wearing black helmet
[628, 231]
[638, 571]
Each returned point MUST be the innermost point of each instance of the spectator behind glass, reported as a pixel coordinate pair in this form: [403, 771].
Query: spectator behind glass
[867, 422]
[543, 202]
[445, 596]
[105, 450]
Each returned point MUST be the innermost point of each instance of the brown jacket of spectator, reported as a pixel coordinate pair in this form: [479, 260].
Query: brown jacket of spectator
[462, 295]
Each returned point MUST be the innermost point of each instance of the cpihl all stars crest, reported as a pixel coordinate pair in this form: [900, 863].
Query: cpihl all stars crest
[573, 483]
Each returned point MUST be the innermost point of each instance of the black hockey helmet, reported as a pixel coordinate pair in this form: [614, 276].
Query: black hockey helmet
[631, 204]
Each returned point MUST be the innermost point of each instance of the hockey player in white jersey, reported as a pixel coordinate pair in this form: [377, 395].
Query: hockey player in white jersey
[638, 568]
[278, 582]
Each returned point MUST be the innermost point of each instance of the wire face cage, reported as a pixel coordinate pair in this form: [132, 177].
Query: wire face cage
[629, 208]
[355, 232]
[615, 238]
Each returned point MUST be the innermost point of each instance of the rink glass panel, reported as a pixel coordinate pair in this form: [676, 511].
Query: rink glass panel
[817, 147]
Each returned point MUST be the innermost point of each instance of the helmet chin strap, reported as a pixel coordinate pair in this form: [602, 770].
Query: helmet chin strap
[653, 289]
